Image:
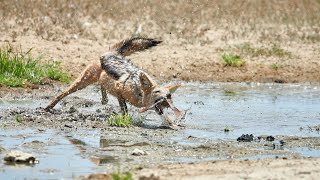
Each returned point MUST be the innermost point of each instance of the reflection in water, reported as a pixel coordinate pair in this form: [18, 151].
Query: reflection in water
[75, 141]
[104, 159]
[97, 158]
[104, 142]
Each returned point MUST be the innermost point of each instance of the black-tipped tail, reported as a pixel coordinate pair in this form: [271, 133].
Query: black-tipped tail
[129, 46]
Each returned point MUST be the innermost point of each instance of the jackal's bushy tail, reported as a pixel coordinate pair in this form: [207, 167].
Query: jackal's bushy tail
[129, 46]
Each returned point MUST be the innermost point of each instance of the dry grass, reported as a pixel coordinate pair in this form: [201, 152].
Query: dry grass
[189, 21]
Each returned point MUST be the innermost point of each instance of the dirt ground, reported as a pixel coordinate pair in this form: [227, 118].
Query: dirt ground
[238, 169]
[278, 40]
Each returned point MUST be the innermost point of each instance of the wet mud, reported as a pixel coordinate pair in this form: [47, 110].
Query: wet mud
[74, 139]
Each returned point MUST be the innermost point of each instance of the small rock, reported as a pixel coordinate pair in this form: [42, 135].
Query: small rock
[278, 145]
[266, 138]
[20, 157]
[86, 24]
[68, 125]
[280, 81]
[2, 149]
[150, 177]
[98, 177]
[72, 109]
[138, 152]
[282, 143]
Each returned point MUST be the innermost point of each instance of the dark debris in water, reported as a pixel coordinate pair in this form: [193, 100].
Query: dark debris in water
[250, 137]
[245, 138]
[267, 138]
[270, 138]
[198, 103]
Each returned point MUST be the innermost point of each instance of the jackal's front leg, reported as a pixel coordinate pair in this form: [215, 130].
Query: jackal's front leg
[104, 95]
[90, 75]
[123, 106]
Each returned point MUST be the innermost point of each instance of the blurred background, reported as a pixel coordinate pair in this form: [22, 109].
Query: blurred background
[194, 21]
[272, 32]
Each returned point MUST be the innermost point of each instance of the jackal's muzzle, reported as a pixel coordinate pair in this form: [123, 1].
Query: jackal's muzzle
[165, 102]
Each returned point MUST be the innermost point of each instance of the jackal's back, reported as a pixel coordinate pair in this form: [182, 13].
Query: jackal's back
[118, 66]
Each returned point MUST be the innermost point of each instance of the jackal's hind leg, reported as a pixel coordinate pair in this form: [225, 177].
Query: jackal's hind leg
[104, 96]
[89, 76]
[123, 106]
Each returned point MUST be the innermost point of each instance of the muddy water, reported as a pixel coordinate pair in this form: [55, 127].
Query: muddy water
[82, 143]
[270, 109]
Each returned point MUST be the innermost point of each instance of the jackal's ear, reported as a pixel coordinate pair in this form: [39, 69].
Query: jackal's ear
[173, 88]
[146, 83]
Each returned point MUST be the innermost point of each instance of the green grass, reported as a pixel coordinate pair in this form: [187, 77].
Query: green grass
[229, 92]
[20, 68]
[274, 50]
[120, 120]
[122, 176]
[19, 118]
[233, 60]
[278, 51]
[275, 66]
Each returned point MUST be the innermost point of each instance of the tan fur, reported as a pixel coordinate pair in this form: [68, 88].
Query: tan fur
[90, 75]
[125, 90]
[118, 77]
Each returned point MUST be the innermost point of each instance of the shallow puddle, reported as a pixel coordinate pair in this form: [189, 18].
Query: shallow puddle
[58, 158]
[217, 112]
[259, 109]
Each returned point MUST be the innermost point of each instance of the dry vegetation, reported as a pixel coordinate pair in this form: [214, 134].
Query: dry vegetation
[207, 26]
[264, 20]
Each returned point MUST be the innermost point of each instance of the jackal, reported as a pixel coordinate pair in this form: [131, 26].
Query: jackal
[122, 79]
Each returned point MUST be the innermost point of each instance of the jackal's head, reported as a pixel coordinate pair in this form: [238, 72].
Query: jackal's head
[156, 97]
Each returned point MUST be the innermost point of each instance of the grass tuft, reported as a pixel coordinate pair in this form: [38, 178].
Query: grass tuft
[19, 118]
[122, 176]
[20, 68]
[226, 129]
[229, 92]
[275, 50]
[232, 60]
[275, 66]
[120, 120]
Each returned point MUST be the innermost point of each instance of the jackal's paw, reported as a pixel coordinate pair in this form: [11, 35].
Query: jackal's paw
[48, 109]
[104, 101]
[172, 127]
